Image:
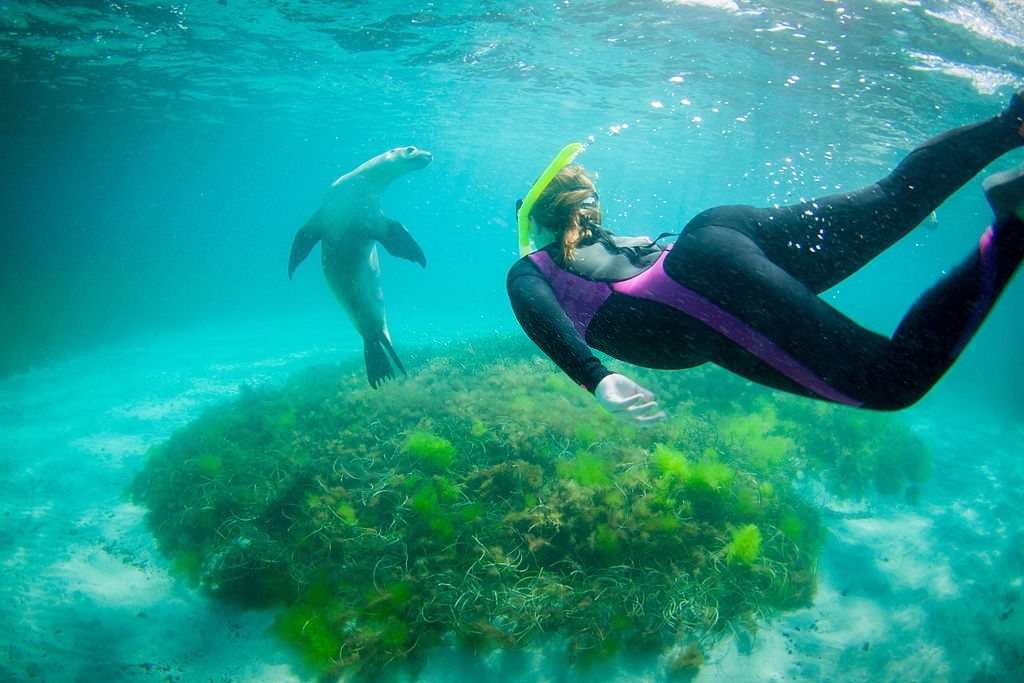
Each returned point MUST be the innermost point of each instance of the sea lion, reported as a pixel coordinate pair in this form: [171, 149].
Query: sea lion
[349, 224]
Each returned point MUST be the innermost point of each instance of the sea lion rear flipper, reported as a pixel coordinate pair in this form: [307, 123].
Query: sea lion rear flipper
[378, 368]
[400, 243]
[386, 343]
[305, 239]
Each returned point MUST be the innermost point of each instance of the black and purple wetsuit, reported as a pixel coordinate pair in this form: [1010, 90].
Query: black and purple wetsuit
[740, 287]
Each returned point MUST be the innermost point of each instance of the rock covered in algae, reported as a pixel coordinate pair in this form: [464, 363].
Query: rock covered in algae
[487, 500]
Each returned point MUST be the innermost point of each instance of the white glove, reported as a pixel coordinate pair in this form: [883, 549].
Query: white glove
[627, 400]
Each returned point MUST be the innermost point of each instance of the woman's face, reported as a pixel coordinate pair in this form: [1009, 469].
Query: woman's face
[542, 236]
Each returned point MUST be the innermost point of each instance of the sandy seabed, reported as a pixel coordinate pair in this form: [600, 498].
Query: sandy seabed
[926, 592]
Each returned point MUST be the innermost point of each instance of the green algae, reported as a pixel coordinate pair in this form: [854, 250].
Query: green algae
[486, 500]
[434, 451]
[745, 547]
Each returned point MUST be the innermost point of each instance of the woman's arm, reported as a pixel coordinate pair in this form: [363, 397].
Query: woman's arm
[544, 321]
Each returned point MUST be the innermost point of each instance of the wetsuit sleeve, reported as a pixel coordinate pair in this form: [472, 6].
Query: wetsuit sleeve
[542, 318]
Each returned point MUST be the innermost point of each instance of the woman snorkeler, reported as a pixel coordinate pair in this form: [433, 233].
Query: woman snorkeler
[740, 285]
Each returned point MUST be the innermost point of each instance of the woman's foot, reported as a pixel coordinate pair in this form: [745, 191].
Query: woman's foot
[1005, 193]
[1015, 114]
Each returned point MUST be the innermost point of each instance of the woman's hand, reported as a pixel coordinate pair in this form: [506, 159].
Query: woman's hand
[627, 400]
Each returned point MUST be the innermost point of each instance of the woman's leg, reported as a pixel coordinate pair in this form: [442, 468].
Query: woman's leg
[824, 241]
[733, 273]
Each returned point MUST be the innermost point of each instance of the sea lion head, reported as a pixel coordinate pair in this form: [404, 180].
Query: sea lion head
[410, 158]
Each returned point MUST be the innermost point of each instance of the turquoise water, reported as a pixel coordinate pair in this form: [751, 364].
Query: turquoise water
[158, 158]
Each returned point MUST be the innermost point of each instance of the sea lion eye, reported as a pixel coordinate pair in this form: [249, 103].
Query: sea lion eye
[410, 150]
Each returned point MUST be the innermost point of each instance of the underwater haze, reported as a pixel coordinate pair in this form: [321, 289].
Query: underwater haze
[159, 157]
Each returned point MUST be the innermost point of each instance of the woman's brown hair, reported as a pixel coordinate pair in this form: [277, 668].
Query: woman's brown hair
[568, 207]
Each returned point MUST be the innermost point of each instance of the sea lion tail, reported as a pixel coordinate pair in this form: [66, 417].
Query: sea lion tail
[378, 367]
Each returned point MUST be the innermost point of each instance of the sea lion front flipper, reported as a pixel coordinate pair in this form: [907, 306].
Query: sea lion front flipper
[305, 239]
[400, 243]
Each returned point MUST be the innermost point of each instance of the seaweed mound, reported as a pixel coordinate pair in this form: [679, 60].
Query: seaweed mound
[485, 500]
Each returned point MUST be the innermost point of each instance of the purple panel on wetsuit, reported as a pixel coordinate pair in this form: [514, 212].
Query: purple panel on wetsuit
[987, 289]
[655, 284]
[579, 298]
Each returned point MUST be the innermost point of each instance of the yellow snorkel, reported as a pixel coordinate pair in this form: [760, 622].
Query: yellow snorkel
[564, 158]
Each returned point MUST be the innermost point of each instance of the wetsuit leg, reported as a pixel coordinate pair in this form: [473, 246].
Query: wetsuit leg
[729, 269]
[824, 241]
